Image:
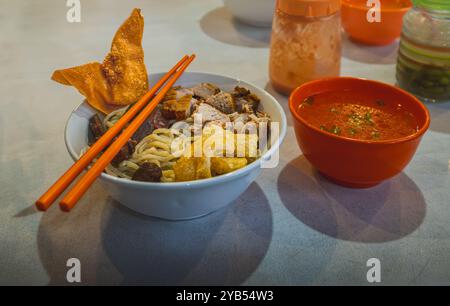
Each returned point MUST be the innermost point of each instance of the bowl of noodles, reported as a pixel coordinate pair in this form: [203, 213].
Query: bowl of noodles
[199, 151]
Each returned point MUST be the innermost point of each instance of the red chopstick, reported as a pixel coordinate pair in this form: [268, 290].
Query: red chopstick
[82, 185]
[46, 200]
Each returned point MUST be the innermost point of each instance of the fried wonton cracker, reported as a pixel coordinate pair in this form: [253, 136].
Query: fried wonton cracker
[122, 77]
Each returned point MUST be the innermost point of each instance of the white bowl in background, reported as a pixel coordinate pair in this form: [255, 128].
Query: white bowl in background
[254, 12]
[179, 200]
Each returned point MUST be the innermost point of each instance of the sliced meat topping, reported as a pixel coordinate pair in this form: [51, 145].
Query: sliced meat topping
[210, 113]
[257, 120]
[239, 121]
[203, 91]
[260, 117]
[178, 109]
[96, 129]
[244, 100]
[155, 121]
[218, 123]
[239, 117]
[223, 101]
[124, 153]
[158, 120]
[178, 92]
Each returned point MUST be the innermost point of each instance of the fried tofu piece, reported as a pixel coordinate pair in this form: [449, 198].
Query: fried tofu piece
[218, 142]
[202, 168]
[246, 145]
[122, 77]
[192, 168]
[222, 165]
[184, 169]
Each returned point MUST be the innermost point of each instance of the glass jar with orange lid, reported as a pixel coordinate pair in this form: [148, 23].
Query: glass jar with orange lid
[305, 43]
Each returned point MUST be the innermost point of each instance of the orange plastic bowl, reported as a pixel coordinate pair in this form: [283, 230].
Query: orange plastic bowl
[354, 20]
[350, 162]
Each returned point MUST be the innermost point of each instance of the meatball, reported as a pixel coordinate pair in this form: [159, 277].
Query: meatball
[148, 172]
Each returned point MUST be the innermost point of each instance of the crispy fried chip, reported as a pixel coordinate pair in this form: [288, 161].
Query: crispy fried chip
[124, 66]
[121, 79]
[89, 81]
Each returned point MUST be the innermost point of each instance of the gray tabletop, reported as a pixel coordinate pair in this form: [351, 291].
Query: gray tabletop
[290, 227]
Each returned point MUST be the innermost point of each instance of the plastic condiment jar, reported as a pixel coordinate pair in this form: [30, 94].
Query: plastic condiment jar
[423, 65]
[305, 43]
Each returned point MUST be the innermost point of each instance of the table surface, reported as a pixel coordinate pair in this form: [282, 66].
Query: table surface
[291, 227]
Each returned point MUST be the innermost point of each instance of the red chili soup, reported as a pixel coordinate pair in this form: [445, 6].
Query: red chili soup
[355, 115]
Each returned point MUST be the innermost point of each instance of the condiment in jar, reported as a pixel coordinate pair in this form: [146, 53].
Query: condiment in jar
[305, 43]
[423, 66]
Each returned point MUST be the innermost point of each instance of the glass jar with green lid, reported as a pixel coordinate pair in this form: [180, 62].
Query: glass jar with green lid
[423, 66]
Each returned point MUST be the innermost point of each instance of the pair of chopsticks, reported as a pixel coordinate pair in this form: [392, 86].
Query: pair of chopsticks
[147, 104]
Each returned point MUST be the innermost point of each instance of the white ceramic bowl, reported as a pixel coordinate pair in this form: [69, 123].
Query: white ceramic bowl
[180, 200]
[254, 12]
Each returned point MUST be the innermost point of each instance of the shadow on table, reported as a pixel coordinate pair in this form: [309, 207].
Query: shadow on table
[440, 116]
[220, 25]
[28, 211]
[118, 246]
[386, 212]
[358, 52]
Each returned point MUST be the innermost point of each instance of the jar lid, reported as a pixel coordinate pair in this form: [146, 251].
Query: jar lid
[309, 8]
[436, 5]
